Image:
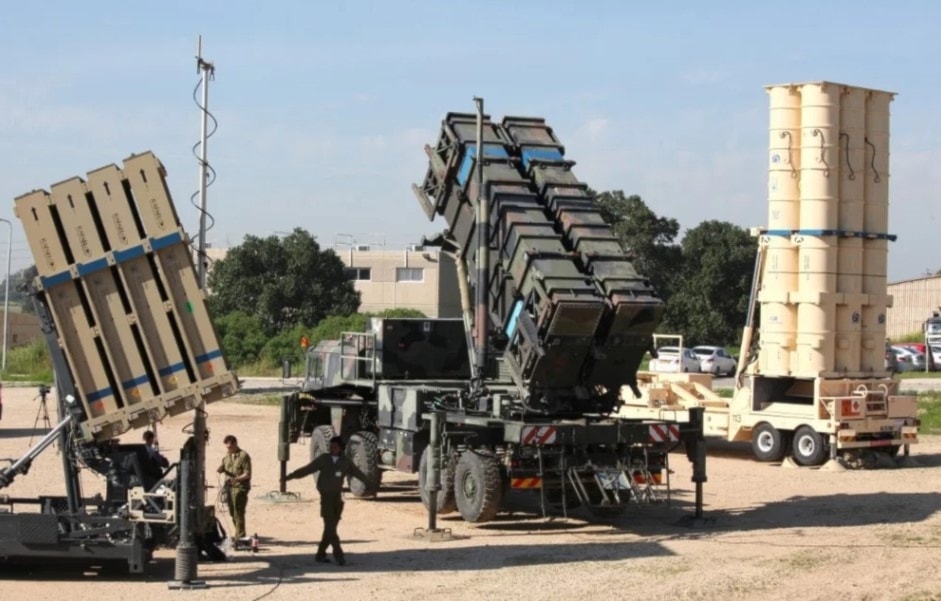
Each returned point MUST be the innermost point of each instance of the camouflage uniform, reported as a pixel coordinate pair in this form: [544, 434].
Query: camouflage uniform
[332, 472]
[233, 465]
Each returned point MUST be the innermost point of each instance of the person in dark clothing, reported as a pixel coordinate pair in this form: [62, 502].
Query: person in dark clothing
[333, 468]
[153, 451]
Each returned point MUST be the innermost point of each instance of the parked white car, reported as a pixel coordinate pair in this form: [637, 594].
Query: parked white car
[908, 359]
[668, 360]
[715, 360]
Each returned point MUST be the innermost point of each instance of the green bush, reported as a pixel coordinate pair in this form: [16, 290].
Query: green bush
[285, 345]
[929, 412]
[911, 337]
[29, 363]
[242, 337]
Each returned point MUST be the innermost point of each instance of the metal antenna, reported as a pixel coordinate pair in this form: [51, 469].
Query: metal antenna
[192, 468]
[207, 71]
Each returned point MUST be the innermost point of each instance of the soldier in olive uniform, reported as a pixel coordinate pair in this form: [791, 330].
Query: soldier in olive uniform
[333, 468]
[237, 466]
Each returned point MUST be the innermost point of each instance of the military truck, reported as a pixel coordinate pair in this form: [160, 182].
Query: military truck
[525, 384]
[812, 381]
[131, 343]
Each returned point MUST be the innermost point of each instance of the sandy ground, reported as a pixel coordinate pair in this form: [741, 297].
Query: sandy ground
[778, 533]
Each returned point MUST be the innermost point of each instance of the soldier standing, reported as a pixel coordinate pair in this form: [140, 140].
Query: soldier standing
[333, 468]
[237, 467]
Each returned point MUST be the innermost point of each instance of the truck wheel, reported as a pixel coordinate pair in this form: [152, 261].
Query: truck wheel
[768, 443]
[320, 443]
[809, 447]
[363, 451]
[477, 486]
[446, 502]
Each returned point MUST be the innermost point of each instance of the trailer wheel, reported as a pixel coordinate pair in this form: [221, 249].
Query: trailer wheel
[478, 489]
[809, 448]
[363, 451]
[320, 443]
[768, 443]
[446, 503]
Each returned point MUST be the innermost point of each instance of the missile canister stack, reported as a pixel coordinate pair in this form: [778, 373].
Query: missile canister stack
[823, 285]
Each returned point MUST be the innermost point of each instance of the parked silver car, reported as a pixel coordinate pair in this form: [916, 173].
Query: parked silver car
[908, 359]
[668, 360]
[715, 360]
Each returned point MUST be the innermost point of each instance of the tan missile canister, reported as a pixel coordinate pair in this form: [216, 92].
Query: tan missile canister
[875, 247]
[116, 275]
[778, 315]
[829, 161]
[850, 247]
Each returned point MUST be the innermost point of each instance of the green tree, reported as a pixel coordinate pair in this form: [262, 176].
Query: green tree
[284, 281]
[285, 345]
[242, 337]
[710, 300]
[649, 238]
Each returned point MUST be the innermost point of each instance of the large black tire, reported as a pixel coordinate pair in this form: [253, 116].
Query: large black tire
[768, 443]
[363, 451]
[478, 488]
[809, 448]
[446, 503]
[320, 443]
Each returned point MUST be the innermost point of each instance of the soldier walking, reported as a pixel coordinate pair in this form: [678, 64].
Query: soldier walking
[237, 467]
[333, 468]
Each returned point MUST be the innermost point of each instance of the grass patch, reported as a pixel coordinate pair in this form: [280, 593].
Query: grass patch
[913, 375]
[259, 369]
[725, 393]
[929, 412]
[910, 337]
[269, 400]
[30, 363]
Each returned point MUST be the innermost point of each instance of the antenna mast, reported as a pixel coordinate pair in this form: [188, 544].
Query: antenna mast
[207, 72]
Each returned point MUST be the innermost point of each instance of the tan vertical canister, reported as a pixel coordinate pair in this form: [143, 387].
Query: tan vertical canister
[819, 219]
[850, 243]
[778, 315]
[876, 221]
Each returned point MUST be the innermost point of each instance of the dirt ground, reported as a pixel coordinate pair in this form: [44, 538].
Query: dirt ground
[778, 533]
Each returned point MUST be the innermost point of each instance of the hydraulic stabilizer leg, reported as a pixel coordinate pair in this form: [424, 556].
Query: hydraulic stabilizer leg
[696, 453]
[432, 483]
[187, 554]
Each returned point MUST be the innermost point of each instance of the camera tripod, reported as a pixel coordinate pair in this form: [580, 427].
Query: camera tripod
[42, 412]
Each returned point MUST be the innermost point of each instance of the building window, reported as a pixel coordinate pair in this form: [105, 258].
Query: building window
[358, 274]
[409, 274]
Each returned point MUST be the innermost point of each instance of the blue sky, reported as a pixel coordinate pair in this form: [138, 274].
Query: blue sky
[324, 108]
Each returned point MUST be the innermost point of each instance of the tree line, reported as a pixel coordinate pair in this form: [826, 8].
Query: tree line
[705, 278]
[269, 293]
